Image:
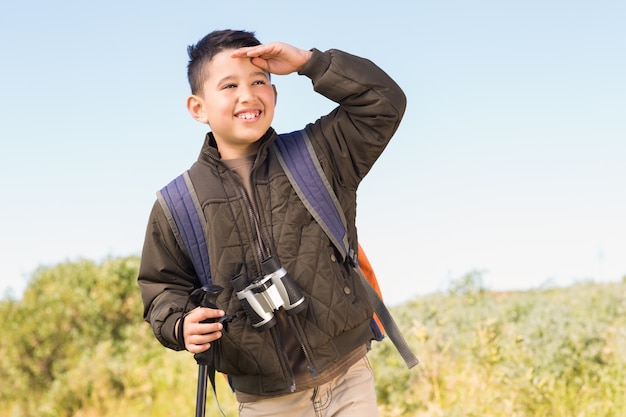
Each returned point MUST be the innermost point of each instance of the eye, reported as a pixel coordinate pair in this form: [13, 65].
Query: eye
[259, 82]
[226, 86]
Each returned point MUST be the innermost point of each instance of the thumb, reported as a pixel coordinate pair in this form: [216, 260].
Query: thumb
[261, 63]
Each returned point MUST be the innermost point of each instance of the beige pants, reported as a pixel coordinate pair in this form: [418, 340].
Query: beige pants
[349, 395]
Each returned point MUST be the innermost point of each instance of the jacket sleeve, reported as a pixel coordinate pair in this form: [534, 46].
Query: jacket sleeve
[371, 106]
[166, 278]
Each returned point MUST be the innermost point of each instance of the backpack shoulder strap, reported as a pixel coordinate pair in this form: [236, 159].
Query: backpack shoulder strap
[299, 161]
[184, 214]
[182, 209]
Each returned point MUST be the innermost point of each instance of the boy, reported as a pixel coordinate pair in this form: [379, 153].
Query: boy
[253, 213]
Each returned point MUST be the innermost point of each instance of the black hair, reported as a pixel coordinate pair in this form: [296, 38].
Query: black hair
[209, 46]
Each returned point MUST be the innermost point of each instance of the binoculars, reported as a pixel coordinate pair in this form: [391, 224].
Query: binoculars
[268, 293]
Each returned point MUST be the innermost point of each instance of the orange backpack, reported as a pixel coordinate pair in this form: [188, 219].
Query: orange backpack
[368, 271]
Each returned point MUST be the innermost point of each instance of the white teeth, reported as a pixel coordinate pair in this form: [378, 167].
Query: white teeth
[247, 115]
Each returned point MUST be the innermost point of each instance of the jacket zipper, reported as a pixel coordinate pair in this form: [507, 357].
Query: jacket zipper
[311, 368]
[255, 232]
[284, 360]
[261, 255]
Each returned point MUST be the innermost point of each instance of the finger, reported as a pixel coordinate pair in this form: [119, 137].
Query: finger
[266, 50]
[261, 63]
[206, 328]
[201, 342]
[200, 314]
[203, 339]
[249, 51]
[209, 313]
[198, 331]
[196, 325]
[241, 52]
[197, 348]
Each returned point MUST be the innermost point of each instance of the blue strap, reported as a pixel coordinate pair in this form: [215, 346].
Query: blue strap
[308, 179]
[297, 157]
[187, 225]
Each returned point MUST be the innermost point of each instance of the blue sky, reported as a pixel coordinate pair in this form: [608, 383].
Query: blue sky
[511, 158]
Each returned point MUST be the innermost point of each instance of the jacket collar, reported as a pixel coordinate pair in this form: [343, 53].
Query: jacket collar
[210, 152]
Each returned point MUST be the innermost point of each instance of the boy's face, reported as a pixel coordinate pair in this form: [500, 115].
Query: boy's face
[237, 101]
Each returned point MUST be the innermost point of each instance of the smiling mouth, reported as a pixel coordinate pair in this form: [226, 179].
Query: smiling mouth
[249, 115]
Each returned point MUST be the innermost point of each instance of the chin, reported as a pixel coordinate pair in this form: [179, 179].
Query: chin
[253, 136]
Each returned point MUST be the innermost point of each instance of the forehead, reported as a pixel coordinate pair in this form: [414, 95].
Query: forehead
[223, 66]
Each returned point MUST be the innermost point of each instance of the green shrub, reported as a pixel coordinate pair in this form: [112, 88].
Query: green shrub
[76, 346]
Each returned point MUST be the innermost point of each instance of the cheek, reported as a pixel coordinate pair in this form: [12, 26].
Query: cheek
[220, 108]
[270, 102]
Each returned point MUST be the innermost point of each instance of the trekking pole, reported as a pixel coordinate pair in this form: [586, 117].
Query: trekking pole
[207, 297]
[206, 370]
[203, 373]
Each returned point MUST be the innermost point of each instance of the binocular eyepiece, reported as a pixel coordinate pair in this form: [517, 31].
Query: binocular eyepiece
[268, 293]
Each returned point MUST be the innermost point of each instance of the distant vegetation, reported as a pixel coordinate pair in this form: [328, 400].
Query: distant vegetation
[75, 346]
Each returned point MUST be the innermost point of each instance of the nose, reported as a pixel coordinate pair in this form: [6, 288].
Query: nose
[246, 94]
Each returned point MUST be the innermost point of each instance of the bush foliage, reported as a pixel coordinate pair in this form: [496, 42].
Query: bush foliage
[75, 346]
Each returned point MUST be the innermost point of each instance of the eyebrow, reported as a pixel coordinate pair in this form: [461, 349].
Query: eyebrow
[254, 74]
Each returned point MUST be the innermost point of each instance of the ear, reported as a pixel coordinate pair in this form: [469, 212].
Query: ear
[196, 108]
[275, 94]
